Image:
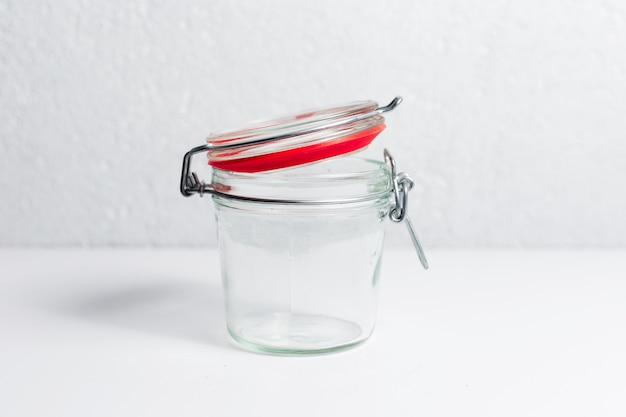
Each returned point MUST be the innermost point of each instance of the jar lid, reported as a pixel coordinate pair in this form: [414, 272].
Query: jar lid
[298, 139]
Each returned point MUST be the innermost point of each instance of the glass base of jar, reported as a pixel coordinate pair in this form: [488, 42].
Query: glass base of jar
[297, 334]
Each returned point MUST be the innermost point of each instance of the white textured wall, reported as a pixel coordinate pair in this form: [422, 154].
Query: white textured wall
[513, 124]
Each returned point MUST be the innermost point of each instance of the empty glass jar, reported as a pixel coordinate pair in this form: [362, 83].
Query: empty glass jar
[303, 277]
[301, 233]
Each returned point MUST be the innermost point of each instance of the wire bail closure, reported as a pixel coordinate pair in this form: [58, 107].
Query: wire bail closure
[401, 184]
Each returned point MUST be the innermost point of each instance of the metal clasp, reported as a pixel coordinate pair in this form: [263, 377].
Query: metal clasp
[401, 185]
[190, 184]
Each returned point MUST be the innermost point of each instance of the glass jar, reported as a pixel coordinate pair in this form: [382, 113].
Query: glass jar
[303, 277]
[300, 237]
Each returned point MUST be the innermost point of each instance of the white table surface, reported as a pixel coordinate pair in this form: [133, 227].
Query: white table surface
[483, 333]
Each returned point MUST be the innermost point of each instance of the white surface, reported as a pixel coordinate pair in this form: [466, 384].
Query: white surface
[513, 121]
[483, 333]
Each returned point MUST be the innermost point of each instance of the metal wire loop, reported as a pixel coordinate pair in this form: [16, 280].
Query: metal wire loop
[190, 186]
[402, 184]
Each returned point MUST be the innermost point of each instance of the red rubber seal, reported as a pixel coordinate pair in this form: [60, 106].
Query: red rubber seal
[300, 139]
[301, 156]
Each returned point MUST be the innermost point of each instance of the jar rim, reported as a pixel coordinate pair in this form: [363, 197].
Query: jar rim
[345, 179]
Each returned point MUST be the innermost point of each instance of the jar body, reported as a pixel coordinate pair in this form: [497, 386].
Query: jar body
[302, 278]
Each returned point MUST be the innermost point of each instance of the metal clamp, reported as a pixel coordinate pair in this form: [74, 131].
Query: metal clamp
[189, 182]
[401, 185]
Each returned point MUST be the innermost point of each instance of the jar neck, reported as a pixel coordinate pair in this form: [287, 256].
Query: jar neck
[344, 180]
